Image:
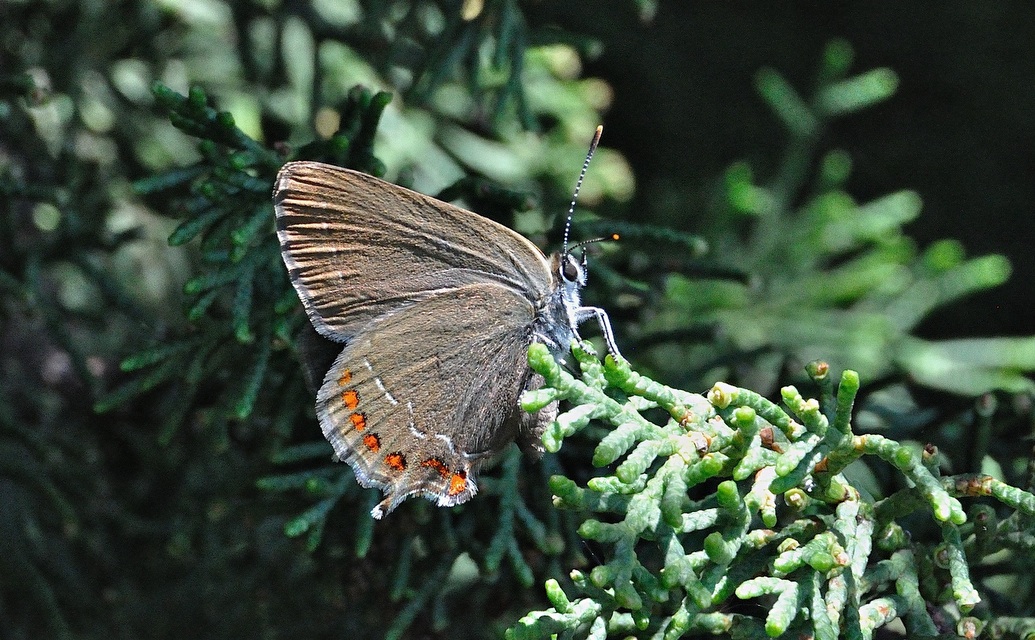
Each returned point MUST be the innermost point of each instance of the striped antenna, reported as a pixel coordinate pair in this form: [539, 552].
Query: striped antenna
[578, 184]
[614, 237]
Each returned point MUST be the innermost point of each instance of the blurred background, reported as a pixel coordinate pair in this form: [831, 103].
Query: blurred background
[844, 181]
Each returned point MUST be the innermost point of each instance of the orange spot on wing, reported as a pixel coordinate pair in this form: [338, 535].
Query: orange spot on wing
[457, 483]
[346, 377]
[372, 441]
[437, 465]
[396, 461]
[359, 421]
[350, 398]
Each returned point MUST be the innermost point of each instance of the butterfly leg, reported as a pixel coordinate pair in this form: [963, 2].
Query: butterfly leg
[585, 313]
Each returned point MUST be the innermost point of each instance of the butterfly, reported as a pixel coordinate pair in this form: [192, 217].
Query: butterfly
[432, 309]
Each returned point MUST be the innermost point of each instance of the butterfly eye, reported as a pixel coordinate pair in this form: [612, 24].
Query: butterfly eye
[570, 270]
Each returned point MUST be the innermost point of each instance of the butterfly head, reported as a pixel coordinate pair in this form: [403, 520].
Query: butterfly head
[571, 271]
[571, 274]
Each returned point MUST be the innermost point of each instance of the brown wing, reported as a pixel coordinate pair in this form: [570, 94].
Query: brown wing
[420, 396]
[357, 247]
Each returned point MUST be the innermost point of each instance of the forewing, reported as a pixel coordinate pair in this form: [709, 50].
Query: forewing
[420, 396]
[357, 247]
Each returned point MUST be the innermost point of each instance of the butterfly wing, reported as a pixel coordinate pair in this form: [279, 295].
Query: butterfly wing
[357, 247]
[421, 396]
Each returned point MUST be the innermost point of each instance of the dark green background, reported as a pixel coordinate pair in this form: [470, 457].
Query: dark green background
[960, 130]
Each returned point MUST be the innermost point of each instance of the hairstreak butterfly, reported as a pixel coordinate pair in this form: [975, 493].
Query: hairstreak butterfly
[434, 308]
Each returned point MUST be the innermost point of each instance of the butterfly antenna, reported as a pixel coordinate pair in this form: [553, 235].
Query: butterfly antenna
[613, 237]
[578, 184]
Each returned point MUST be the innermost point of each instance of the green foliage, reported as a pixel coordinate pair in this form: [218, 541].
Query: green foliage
[810, 273]
[201, 485]
[731, 496]
[57, 292]
[158, 451]
[242, 303]
[245, 313]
